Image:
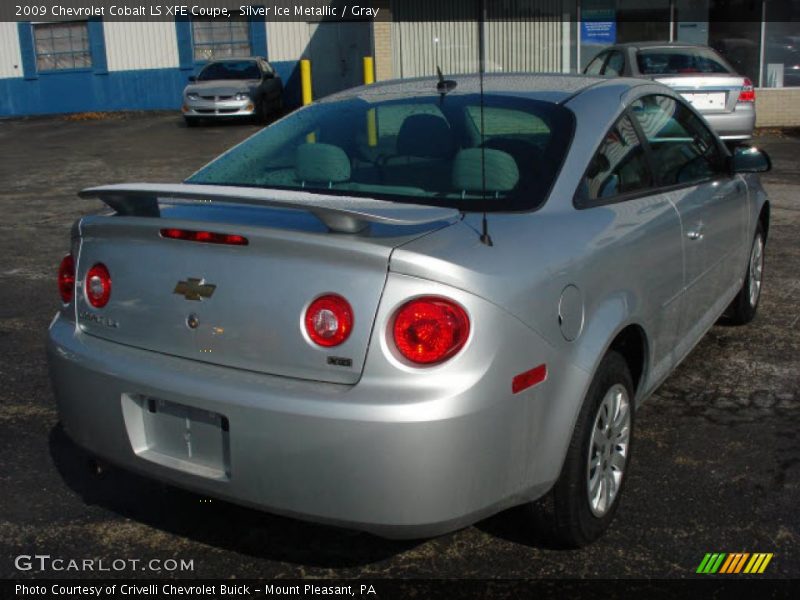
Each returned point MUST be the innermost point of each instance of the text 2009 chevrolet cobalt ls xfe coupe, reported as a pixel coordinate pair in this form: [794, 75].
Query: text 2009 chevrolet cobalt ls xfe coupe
[409, 306]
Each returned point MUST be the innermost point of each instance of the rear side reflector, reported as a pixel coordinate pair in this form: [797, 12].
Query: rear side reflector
[66, 278]
[748, 94]
[205, 237]
[529, 379]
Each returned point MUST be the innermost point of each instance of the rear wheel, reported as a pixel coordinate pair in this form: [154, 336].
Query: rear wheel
[743, 308]
[582, 503]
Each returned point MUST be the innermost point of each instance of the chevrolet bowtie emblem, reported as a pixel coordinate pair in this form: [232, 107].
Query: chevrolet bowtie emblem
[194, 289]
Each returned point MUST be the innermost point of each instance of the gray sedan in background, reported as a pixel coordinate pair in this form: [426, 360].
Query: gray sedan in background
[725, 98]
[239, 87]
[411, 305]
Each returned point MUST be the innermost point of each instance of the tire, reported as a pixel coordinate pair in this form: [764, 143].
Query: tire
[569, 516]
[191, 121]
[263, 111]
[743, 308]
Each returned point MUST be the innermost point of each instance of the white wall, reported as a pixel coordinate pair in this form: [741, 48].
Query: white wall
[140, 45]
[10, 58]
[287, 40]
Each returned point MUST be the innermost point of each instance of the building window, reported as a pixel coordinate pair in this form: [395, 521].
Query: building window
[215, 39]
[62, 46]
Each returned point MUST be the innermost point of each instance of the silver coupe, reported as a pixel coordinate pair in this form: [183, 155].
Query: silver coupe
[411, 305]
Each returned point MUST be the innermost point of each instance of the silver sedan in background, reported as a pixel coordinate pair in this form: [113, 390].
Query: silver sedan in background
[725, 98]
[414, 304]
[238, 87]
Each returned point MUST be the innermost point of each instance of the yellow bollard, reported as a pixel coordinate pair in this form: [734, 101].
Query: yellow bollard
[372, 128]
[305, 80]
[372, 123]
[369, 70]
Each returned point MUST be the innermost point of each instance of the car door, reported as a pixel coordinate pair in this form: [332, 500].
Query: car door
[689, 163]
[645, 230]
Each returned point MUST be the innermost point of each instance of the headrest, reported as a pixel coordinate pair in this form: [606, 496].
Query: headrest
[501, 172]
[425, 135]
[322, 163]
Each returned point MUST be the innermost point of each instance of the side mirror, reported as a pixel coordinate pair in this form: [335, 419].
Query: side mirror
[748, 159]
[192, 78]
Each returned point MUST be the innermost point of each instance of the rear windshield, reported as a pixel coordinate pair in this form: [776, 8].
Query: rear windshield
[230, 69]
[497, 155]
[677, 61]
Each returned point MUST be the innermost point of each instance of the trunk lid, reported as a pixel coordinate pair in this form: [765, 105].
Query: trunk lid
[707, 92]
[253, 317]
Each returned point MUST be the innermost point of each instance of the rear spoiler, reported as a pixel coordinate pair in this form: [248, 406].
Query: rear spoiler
[342, 214]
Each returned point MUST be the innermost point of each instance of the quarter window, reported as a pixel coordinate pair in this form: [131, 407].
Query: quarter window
[62, 46]
[596, 65]
[214, 39]
[615, 64]
[683, 149]
[619, 167]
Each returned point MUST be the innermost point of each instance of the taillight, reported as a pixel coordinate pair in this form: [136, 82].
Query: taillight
[98, 285]
[329, 320]
[748, 94]
[430, 330]
[66, 278]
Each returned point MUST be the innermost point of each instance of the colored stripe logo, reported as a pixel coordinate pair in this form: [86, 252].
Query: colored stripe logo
[736, 562]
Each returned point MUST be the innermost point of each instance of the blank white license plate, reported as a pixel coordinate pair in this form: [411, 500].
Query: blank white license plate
[706, 100]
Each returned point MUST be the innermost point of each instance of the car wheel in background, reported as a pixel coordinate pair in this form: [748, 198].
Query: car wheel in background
[191, 121]
[583, 501]
[263, 110]
[743, 308]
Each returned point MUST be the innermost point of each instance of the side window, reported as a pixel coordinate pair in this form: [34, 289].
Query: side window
[615, 64]
[596, 64]
[683, 148]
[619, 167]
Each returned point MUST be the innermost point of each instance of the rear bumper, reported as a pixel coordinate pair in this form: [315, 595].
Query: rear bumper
[337, 454]
[736, 125]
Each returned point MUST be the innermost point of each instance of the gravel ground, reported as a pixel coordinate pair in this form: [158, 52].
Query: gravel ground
[716, 466]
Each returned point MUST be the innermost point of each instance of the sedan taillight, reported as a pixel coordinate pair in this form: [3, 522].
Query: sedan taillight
[430, 330]
[748, 93]
[66, 278]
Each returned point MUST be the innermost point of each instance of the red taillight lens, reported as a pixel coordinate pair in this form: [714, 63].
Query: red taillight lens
[98, 285]
[748, 94]
[329, 320]
[430, 330]
[66, 278]
[205, 237]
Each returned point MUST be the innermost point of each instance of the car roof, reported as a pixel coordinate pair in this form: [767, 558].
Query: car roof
[551, 87]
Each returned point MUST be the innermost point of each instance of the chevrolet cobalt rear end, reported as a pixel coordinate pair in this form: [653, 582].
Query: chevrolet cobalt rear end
[407, 306]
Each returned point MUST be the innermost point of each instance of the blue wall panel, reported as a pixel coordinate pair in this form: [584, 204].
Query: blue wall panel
[83, 91]
[289, 71]
[26, 48]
